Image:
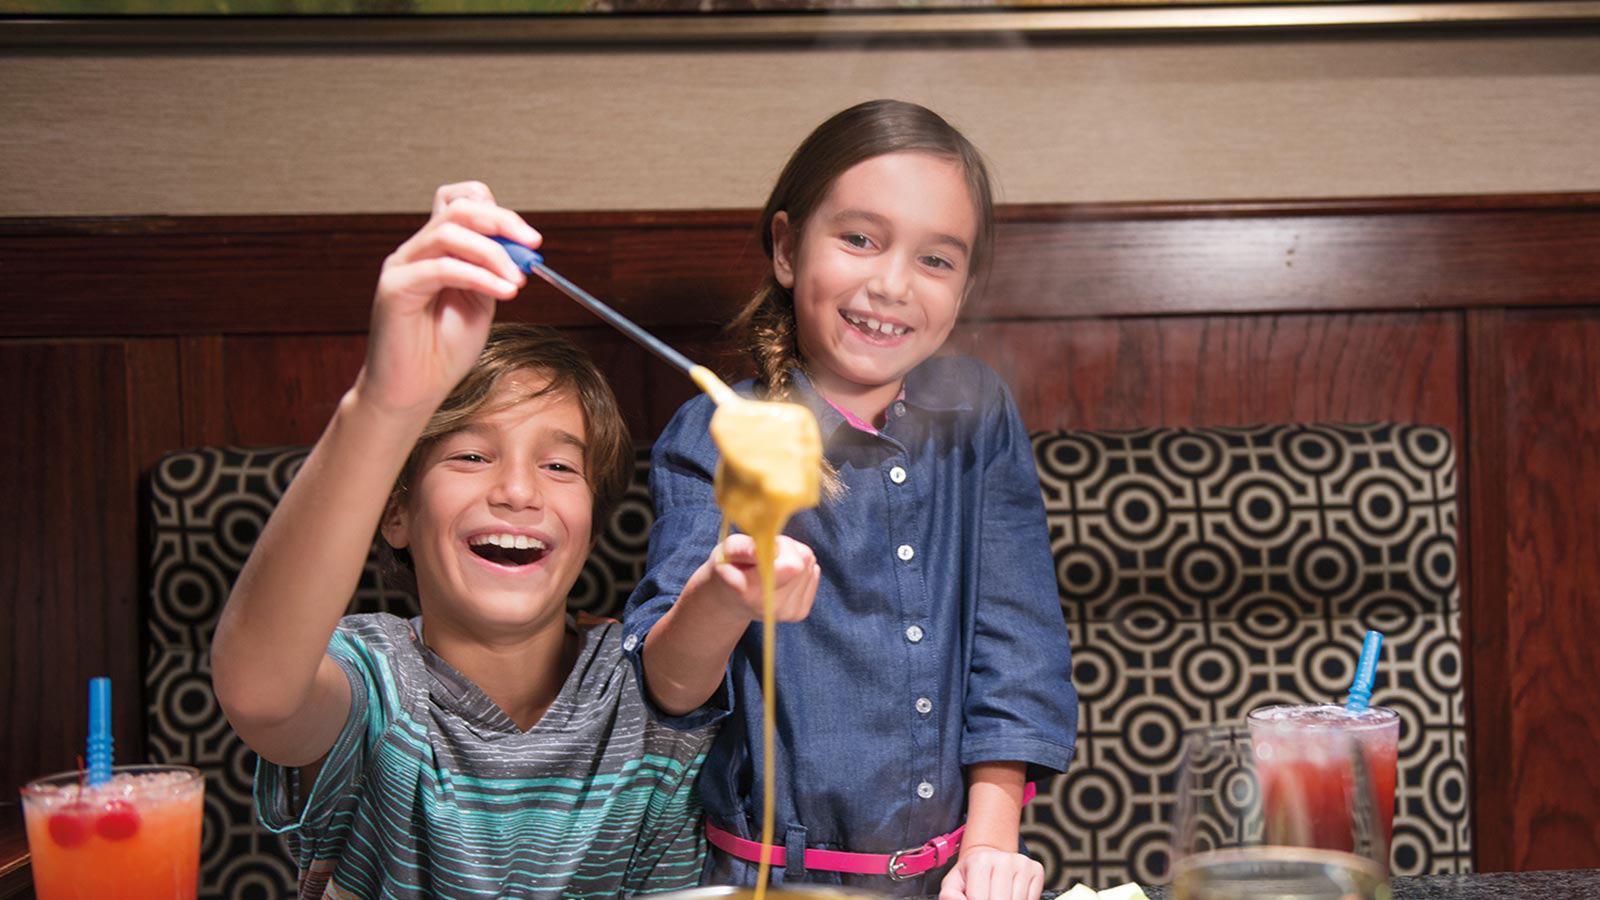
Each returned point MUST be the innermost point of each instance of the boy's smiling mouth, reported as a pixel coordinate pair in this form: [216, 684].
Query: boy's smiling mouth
[512, 550]
[873, 327]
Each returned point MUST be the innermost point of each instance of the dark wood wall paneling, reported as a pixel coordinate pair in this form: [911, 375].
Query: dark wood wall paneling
[126, 338]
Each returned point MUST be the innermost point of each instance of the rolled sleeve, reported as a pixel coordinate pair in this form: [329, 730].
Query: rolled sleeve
[1021, 705]
[682, 467]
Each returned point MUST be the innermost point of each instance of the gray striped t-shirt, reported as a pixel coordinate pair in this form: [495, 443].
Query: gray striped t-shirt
[431, 791]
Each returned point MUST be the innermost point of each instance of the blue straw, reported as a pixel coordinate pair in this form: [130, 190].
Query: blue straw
[99, 731]
[1366, 672]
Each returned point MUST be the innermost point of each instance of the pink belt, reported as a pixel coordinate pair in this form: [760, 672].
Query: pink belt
[899, 865]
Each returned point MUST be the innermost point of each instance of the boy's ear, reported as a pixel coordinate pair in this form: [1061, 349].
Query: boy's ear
[393, 527]
[783, 241]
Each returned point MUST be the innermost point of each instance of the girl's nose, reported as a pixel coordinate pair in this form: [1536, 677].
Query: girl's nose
[892, 280]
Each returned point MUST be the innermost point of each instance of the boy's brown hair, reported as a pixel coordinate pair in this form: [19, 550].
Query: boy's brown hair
[518, 347]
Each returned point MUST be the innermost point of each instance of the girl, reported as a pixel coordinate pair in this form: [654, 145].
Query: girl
[929, 678]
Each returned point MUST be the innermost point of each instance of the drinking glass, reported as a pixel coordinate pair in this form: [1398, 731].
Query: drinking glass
[1233, 842]
[135, 837]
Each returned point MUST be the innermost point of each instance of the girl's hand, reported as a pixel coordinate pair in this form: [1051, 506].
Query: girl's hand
[989, 873]
[436, 296]
[731, 580]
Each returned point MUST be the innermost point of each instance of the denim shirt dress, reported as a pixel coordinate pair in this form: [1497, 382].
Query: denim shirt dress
[936, 640]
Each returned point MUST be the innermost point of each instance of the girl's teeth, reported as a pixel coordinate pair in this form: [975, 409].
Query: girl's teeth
[875, 325]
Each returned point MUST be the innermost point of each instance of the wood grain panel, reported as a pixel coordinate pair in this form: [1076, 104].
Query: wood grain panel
[1552, 429]
[67, 551]
[1485, 609]
[282, 389]
[1227, 370]
[282, 274]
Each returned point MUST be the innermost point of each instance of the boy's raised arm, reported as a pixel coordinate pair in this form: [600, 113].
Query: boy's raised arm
[435, 300]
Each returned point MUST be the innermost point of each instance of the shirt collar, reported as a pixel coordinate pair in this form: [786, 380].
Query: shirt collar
[925, 388]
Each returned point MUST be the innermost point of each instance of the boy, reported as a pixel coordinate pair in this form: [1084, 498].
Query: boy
[489, 746]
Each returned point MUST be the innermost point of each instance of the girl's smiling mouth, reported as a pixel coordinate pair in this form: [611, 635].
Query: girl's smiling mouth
[509, 550]
[874, 327]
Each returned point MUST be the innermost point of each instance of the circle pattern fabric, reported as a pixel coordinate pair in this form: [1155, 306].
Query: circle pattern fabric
[1246, 571]
[1202, 572]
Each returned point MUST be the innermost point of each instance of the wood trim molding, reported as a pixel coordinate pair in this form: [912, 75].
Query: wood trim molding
[85, 277]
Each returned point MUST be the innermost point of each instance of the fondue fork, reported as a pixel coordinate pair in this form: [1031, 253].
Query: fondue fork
[532, 262]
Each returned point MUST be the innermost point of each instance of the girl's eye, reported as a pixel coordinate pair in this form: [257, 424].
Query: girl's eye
[938, 262]
[470, 457]
[858, 240]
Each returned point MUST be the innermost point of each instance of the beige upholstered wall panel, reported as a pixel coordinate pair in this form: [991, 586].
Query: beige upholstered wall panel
[1317, 115]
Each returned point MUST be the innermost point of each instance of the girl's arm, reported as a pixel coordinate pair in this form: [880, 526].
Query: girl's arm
[435, 299]
[989, 866]
[687, 651]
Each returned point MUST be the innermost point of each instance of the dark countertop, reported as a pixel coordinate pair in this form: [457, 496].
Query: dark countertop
[1548, 885]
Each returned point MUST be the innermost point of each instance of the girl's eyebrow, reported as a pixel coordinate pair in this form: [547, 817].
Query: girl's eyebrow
[846, 215]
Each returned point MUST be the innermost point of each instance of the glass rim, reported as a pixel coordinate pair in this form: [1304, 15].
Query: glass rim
[1380, 717]
[1366, 864]
[38, 786]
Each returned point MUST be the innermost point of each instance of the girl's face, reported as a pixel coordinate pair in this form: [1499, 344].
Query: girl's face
[878, 270]
[498, 517]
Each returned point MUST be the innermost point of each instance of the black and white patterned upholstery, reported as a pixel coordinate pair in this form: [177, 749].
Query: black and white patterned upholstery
[1202, 572]
[207, 507]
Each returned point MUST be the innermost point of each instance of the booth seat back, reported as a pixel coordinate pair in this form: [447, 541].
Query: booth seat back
[1205, 572]
[1202, 572]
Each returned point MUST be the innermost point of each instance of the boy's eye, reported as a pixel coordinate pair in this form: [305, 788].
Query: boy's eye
[561, 467]
[469, 456]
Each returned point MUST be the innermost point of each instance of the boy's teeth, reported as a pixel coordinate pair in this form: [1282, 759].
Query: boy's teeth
[508, 541]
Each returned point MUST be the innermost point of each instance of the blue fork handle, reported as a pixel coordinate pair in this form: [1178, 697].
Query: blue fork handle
[526, 258]
[530, 261]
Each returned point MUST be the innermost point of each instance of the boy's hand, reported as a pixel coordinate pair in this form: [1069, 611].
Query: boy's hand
[436, 296]
[731, 582]
[989, 873]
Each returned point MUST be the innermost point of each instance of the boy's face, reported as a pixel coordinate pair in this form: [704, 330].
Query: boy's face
[879, 269]
[499, 515]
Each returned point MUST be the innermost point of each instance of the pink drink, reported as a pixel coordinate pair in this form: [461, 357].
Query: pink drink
[1303, 762]
[136, 837]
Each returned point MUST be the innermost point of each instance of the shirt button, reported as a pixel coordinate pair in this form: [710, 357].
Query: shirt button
[899, 409]
[630, 642]
[905, 552]
[925, 790]
[924, 705]
[897, 475]
[914, 633]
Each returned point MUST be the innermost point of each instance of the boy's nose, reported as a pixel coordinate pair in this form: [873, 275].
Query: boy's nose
[517, 488]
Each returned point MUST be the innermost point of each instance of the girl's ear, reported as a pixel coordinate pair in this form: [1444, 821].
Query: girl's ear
[783, 241]
[394, 526]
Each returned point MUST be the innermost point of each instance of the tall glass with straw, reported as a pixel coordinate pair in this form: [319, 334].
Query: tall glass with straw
[1296, 805]
[130, 832]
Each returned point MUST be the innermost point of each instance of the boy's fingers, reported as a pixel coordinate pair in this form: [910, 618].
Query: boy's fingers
[424, 279]
[488, 218]
[461, 190]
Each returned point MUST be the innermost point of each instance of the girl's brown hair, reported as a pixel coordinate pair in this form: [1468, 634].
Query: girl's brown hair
[859, 133]
[514, 347]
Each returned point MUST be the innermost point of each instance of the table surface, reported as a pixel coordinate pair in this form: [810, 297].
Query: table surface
[1547, 885]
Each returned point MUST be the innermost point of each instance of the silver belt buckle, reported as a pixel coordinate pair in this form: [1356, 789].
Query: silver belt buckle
[895, 865]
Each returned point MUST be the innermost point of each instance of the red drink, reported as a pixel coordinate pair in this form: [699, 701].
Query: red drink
[136, 837]
[1303, 757]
